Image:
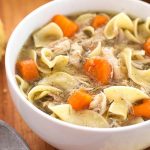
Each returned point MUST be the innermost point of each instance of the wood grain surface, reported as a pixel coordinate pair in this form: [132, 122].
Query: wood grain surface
[11, 12]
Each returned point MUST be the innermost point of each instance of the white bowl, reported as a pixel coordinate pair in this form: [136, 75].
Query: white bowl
[58, 133]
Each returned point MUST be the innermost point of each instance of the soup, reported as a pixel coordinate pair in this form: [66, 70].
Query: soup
[91, 69]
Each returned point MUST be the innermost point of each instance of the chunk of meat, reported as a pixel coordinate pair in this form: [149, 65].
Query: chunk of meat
[108, 55]
[76, 55]
[99, 103]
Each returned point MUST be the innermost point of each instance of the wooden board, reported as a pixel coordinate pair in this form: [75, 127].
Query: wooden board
[11, 12]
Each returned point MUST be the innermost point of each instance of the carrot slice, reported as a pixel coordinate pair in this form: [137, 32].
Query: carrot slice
[98, 69]
[80, 100]
[68, 27]
[147, 46]
[99, 21]
[142, 110]
[28, 70]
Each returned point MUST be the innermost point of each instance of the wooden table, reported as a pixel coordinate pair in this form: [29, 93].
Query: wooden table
[11, 12]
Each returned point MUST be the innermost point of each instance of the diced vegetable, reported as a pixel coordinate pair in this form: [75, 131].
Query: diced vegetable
[68, 27]
[80, 100]
[147, 46]
[99, 21]
[98, 69]
[28, 70]
[142, 110]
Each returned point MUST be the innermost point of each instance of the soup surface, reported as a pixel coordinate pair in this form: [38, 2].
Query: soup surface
[91, 69]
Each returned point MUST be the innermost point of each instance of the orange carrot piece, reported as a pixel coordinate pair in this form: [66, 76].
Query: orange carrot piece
[142, 110]
[28, 70]
[99, 69]
[80, 100]
[147, 46]
[68, 27]
[99, 21]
